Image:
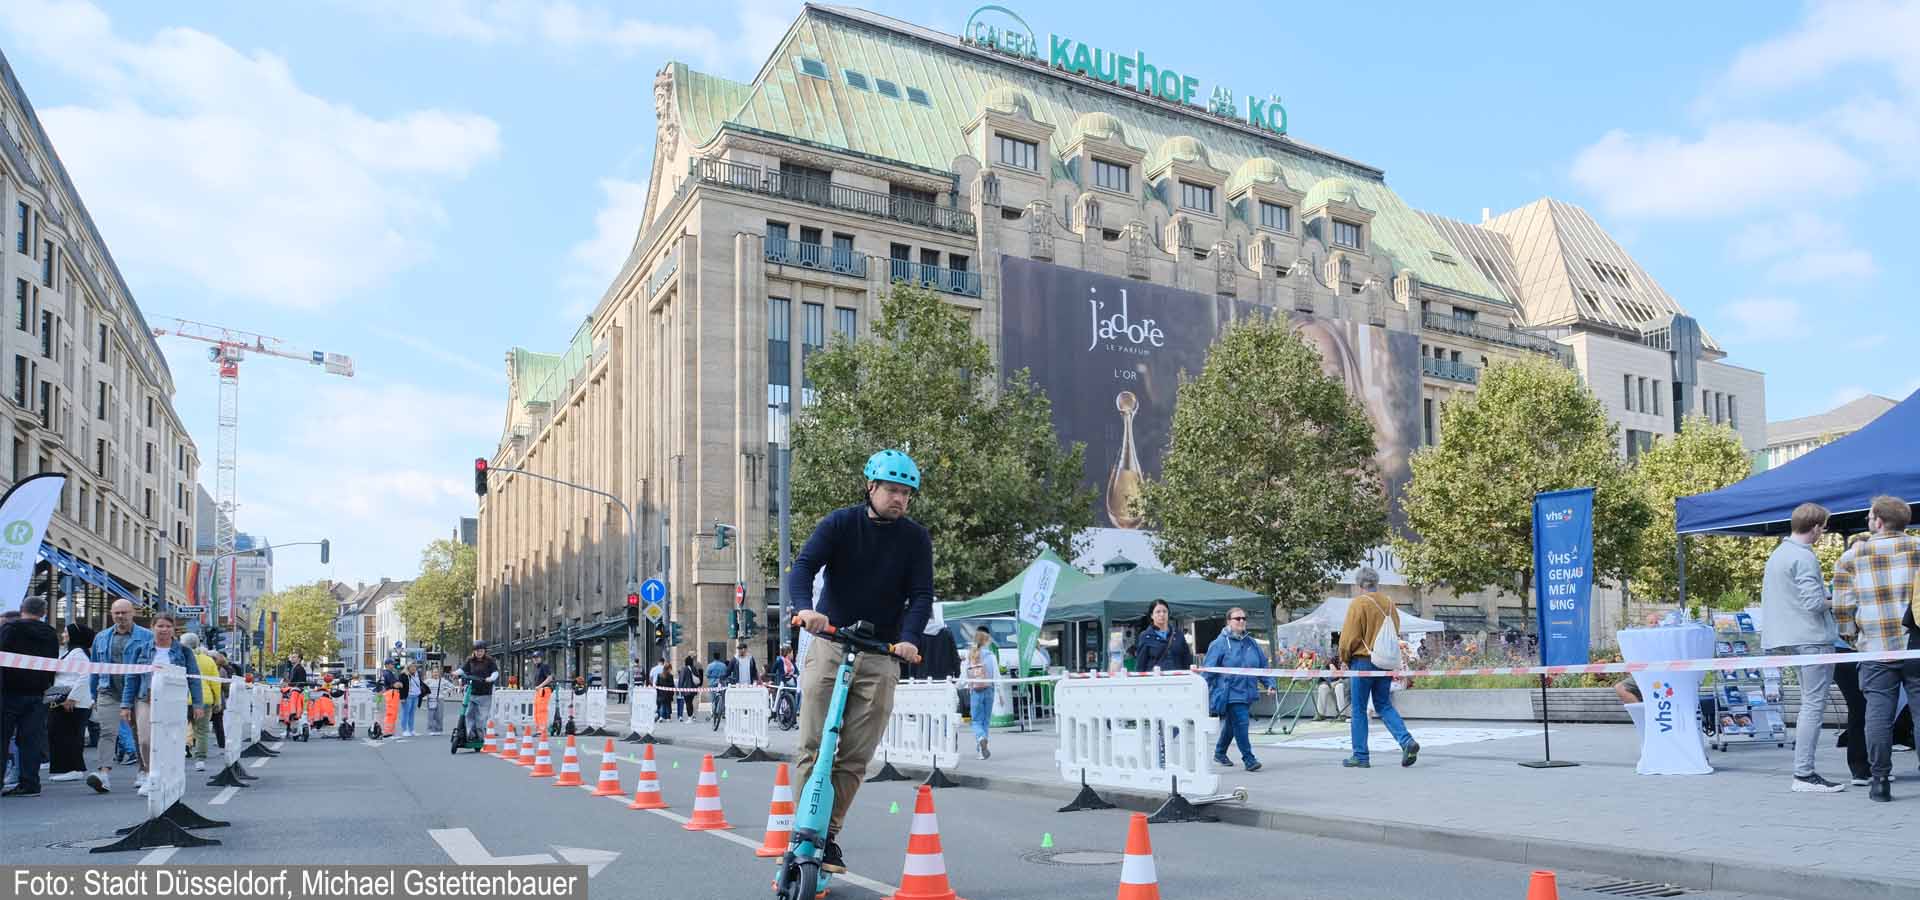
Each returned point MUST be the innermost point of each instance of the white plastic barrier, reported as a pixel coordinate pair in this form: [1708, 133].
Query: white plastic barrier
[591, 710]
[513, 706]
[1112, 728]
[167, 724]
[265, 707]
[747, 713]
[361, 709]
[924, 729]
[233, 721]
[639, 711]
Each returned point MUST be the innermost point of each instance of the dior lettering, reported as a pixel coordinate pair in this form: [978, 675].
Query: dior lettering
[1119, 327]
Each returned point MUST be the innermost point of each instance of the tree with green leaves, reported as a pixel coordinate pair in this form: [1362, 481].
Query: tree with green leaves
[1269, 479]
[306, 614]
[996, 485]
[438, 605]
[1531, 427]
[1702, 457]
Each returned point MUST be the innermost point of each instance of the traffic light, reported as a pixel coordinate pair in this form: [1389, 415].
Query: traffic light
[733, 623]
[720, 536]
[660, 632]
[633, 609]
[747, 624]
[676, 636]
[480, 477]
[326, 551]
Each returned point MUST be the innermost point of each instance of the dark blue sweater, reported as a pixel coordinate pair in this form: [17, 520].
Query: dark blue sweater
[881, 572]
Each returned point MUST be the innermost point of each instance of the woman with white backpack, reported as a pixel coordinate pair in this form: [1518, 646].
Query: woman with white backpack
[1370, 641]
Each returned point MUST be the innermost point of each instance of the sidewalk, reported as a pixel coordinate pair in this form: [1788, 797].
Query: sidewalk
[1740, 829]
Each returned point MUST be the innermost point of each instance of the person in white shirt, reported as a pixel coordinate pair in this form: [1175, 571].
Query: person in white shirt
[67, 720]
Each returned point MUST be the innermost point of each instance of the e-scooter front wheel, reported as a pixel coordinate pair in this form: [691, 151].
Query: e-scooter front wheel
[801, 882]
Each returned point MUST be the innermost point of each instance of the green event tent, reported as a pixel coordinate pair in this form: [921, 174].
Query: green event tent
[1005, 599]
[1126, 590]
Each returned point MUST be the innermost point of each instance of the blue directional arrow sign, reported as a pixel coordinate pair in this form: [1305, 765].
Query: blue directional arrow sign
[654, 591]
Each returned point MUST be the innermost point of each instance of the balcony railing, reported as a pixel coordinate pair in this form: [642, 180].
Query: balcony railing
[952, 281]
[1450, 370]
[818, 192]
[1510, 336]
[815, 256]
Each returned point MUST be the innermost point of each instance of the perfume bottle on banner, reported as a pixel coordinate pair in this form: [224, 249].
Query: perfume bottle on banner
[1124, 481]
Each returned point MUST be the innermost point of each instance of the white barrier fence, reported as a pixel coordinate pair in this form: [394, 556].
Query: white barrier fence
[747, 714]
[264, 706]
[1137, 732]
[167, 725]
[590, 710]
[924, 728]
[513, 706]
[361, 708]
[233, 721]
[640, 708]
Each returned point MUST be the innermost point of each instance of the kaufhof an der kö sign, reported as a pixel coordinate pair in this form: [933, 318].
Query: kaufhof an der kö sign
[998, 29]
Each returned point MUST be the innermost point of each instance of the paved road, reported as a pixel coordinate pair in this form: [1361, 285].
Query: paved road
[407, 801]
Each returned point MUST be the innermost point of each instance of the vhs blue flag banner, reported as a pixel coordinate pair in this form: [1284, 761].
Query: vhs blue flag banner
[1563, 575]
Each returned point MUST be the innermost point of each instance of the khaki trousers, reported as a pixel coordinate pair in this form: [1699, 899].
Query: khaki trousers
[869, 704]
[106, 714]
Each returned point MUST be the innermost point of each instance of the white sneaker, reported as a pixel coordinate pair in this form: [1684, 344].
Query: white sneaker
[101, 782]
[199, 765]
[143, 790]
[67, 776]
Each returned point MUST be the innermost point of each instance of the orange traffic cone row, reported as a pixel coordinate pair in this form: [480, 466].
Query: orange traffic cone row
[569, 766]
[707, 815]
[542, 760]
[490, 746]
[779, 816]
[609, 783]
[1138, 880]
[509, 749]
[1542, 886]
[646, 792]
[526, 751]
[925, 874]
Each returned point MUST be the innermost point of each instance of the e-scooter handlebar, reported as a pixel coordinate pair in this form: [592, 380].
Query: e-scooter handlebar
[858, 636]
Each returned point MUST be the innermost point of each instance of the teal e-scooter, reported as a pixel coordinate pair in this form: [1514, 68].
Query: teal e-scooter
[801, 876]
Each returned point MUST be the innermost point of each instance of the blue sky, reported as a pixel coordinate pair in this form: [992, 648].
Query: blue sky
[424, 184]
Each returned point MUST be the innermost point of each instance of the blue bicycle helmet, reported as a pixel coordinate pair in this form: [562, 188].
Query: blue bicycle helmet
[892, 465]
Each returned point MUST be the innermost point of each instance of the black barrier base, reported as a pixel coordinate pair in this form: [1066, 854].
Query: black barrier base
[888, 773]
[758, 755]
[276, 738]
[241, 771]
[1179, 809]
[257, 749]
[731, 752]
[155, 832]
[1548, 764]
[228, 777]
[1086, 799]
[180, 815]
[939, 779]
[635, 737]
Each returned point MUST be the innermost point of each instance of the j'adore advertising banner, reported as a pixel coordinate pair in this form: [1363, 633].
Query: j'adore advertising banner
[1111, 352]
[1563, 574]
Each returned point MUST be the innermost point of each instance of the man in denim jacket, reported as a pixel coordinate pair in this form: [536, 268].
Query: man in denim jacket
[119, 644]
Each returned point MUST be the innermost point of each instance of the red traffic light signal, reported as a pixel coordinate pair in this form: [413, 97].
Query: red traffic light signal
[633, 599]
[480, 477]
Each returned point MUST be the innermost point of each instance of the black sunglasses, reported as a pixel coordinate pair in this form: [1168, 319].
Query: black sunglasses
[1236, 618]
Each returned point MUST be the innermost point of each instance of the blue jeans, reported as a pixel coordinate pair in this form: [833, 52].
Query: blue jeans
[1379, 690]
[1233, 727]
[980, 707]
[125, 740]
[407, 707]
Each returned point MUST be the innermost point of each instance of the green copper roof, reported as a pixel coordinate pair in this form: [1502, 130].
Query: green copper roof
[706, 101]
[784, 100]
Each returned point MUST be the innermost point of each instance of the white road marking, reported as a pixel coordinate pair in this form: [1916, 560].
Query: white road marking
[465, 849]
[884, 890]
[594, 860]
[158, 856]
[260, 762]
[226, 793]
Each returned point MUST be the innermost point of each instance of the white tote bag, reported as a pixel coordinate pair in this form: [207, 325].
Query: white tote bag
[1386, 643]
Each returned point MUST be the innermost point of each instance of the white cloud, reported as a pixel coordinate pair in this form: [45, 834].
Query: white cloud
[1835, 35]
[570, 26]
[1846, 395]
[1802, 247]
[430, 349]
[1765, 319]
[292, 199]
[1733, 167]
[594, 262]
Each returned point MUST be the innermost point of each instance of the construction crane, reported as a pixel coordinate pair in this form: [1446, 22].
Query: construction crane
[229, 348]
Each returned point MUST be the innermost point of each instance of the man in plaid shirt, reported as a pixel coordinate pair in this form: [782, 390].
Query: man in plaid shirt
[1873, 604]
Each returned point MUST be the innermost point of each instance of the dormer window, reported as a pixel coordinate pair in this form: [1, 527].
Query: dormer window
[1276, 217]
[886, 88]
[1197, 197]
[1011, 151]
[1112, 176]
[1346, 234]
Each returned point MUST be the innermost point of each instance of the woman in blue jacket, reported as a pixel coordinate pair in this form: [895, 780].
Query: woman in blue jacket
[1161, 646]
[1230, 696]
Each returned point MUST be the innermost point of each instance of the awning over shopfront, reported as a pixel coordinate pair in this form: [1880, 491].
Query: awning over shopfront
[67, 564]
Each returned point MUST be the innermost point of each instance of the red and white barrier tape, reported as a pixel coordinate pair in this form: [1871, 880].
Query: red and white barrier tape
[1718, 663]
[10, 660]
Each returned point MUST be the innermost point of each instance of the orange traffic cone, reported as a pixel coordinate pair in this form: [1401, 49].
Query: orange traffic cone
[779, 816]
[542, 760]
[509, 749]
[1138, 880]
[490, 746]
[609, 783]
[1542, 887]
[925, 874]
[526, 751]
[707, 815]
[646, 792]
[569, 766]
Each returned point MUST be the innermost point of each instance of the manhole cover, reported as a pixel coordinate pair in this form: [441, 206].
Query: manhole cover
[1616, 888]
[1075, 858]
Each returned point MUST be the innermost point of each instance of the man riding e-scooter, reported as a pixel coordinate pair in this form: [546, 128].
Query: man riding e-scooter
[879, 567]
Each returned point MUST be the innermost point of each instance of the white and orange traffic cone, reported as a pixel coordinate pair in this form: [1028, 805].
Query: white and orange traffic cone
[569, 766]
[925, 875]
[707, 815]
[542, 760]
[609, 783]
[779, 816]
[490, 746]
[510, 748]
[527, 757]
[646, 792]
[1138, 879]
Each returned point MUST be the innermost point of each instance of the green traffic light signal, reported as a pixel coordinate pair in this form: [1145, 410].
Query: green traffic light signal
[748, 626]
[720, 536]
[675, 642]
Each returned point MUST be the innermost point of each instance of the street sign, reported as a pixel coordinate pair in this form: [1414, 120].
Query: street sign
[653, 590]
[190, 610]
[654, 611]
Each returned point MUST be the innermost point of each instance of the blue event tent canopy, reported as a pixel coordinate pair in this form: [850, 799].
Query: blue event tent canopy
[1844, 477]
